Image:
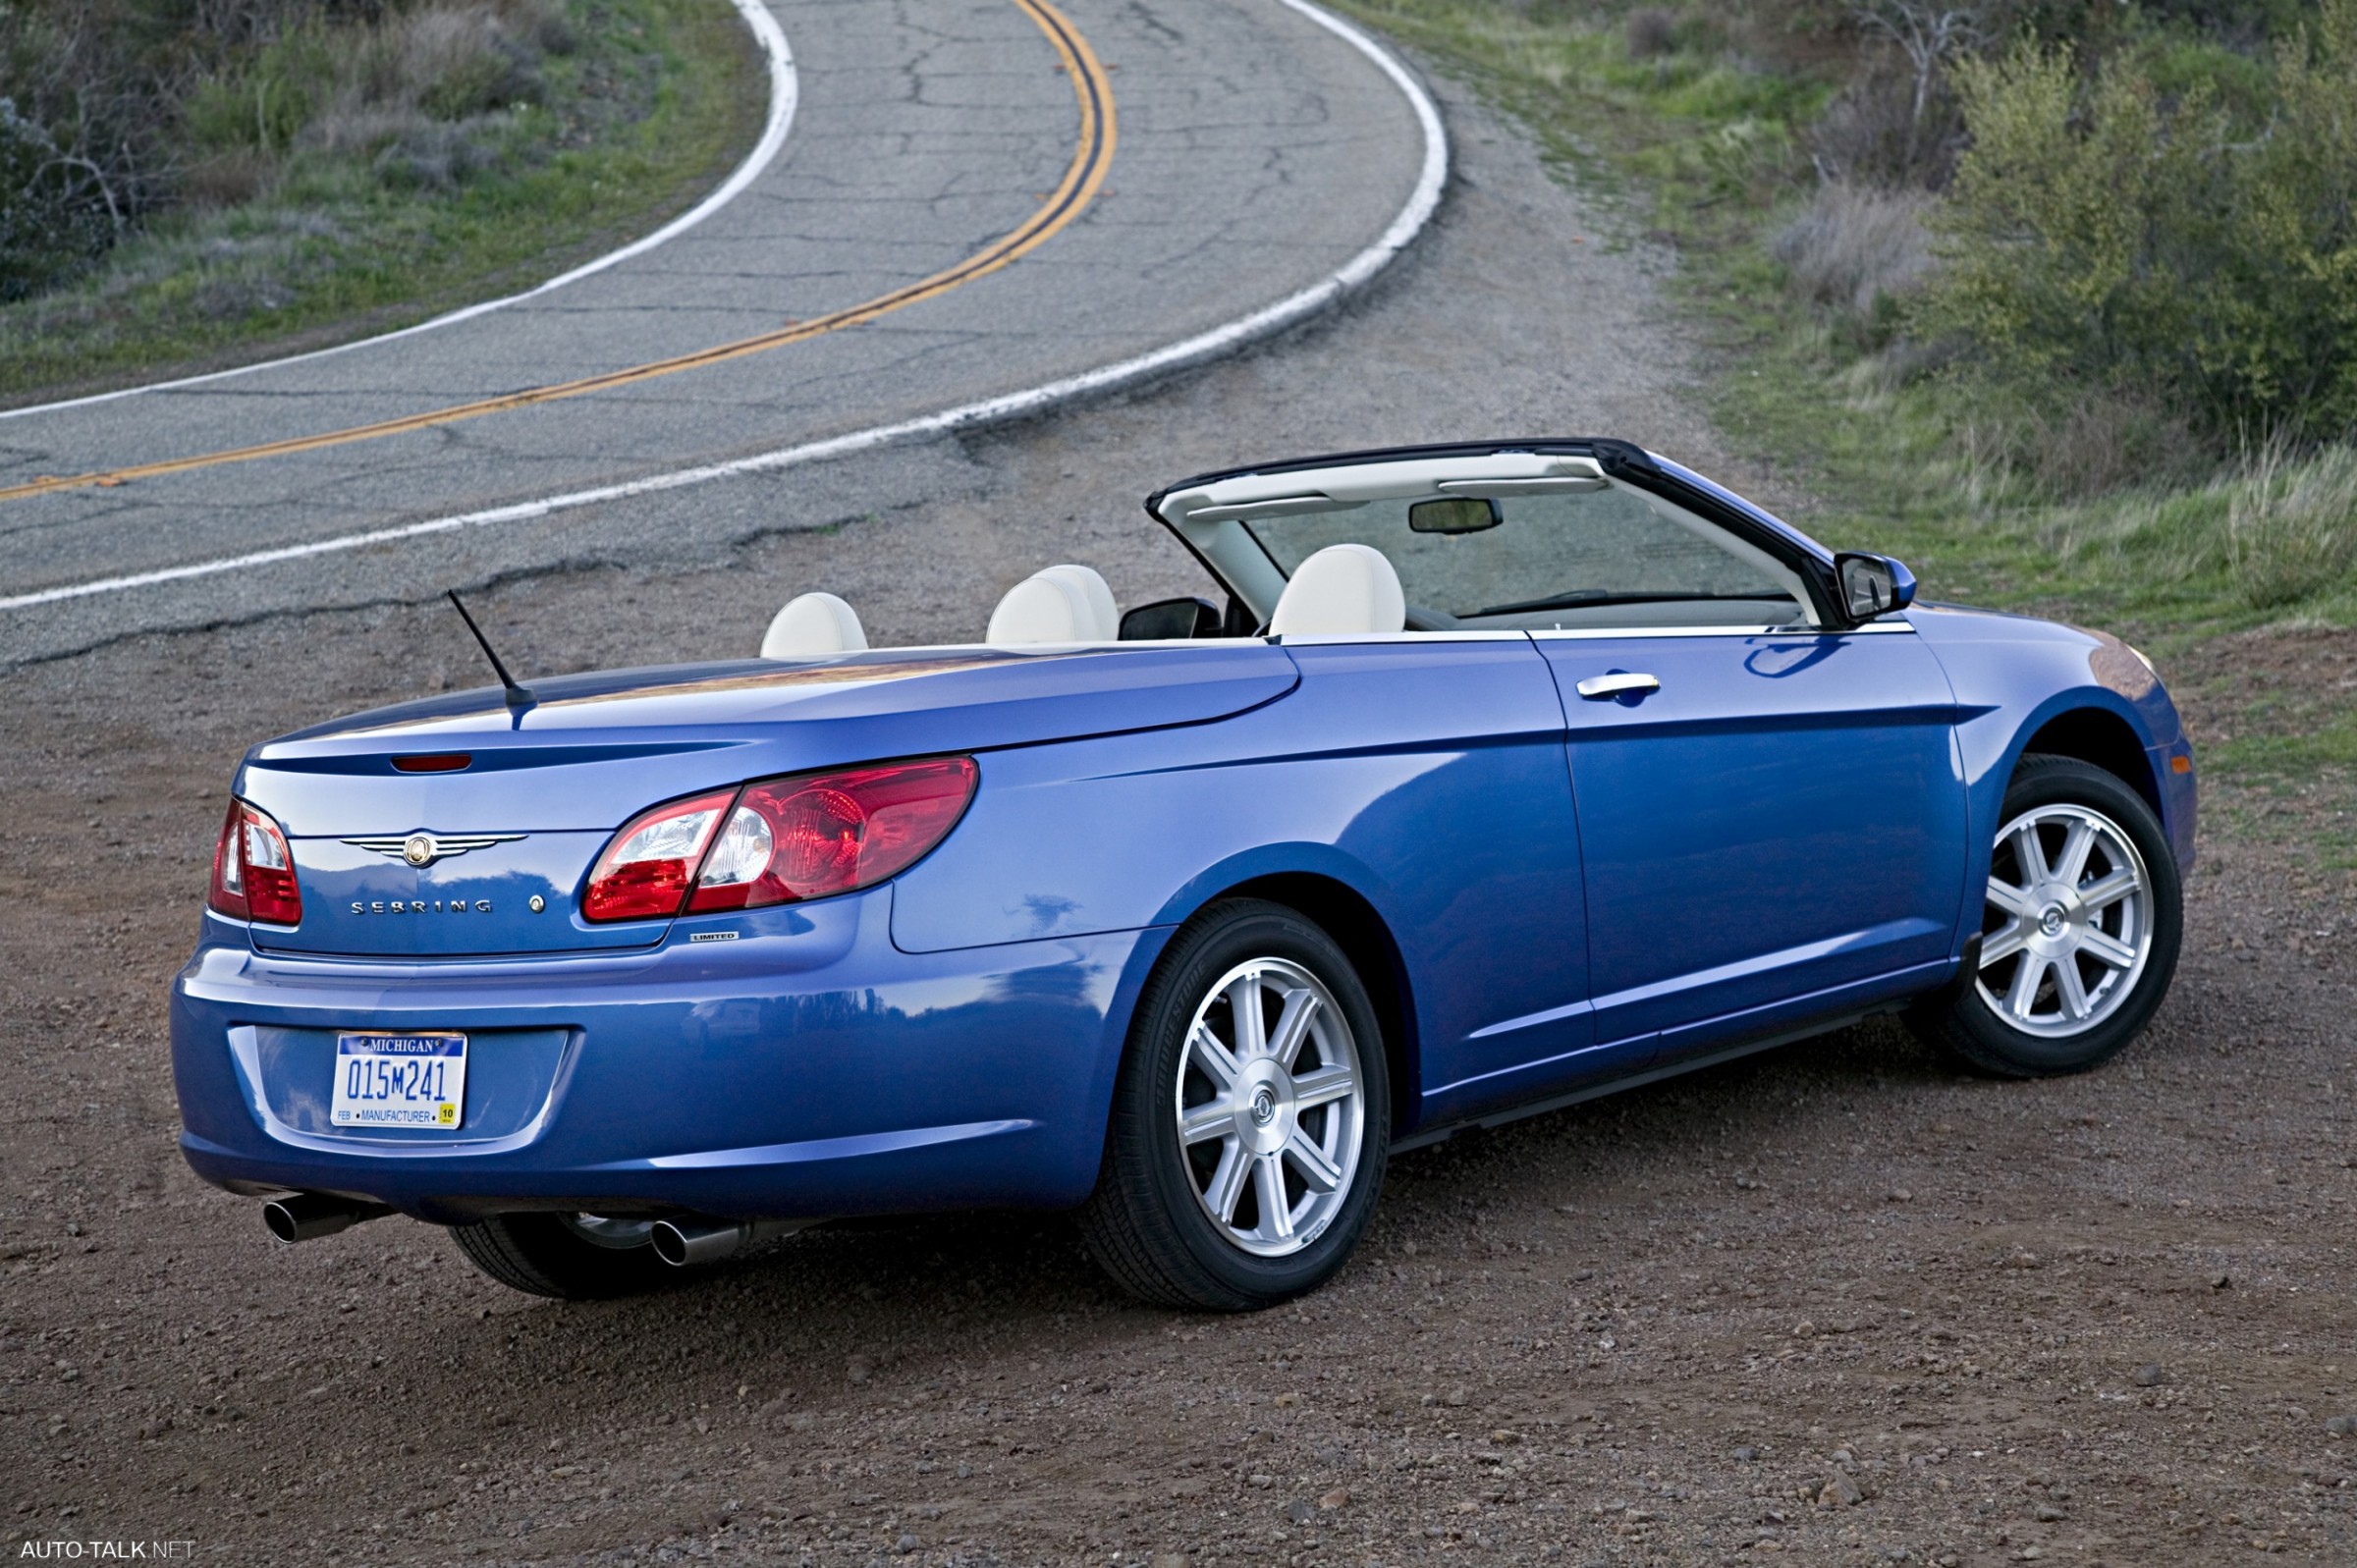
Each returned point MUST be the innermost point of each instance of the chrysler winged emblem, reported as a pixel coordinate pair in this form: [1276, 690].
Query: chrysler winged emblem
[422, 850]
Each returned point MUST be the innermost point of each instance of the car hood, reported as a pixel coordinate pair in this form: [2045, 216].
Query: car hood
[595, 750]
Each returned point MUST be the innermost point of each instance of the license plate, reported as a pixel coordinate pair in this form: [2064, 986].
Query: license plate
[400, 1081]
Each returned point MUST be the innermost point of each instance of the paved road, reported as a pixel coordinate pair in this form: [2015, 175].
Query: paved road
[1227, 153]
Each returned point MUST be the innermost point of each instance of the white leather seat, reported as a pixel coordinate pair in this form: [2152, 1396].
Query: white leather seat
[813, 624]
[1341, 590]
[1061, 604]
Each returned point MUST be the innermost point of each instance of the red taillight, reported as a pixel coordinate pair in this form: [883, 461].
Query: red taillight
[648, 868]
[779, 840]
[437, 762]
[823, 834]
[253, 874]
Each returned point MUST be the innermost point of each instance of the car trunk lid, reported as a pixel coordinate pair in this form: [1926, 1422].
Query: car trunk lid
[429, 829]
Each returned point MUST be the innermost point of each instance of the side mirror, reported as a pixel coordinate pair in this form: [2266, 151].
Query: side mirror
[1872, 585]
[1170, 620]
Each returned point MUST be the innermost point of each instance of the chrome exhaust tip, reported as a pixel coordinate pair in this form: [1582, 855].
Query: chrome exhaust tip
[685, 1241]
[308, 1216]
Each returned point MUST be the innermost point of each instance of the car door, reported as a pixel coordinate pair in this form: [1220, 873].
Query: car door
[1448, 749]
[1771, 823]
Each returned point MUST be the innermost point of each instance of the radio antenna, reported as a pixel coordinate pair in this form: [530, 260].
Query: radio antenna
[518, 696]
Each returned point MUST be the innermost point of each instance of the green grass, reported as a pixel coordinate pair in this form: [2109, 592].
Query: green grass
[649, 106]
[1702, 146]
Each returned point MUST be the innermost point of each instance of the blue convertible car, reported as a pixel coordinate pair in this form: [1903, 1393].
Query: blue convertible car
[1502, 774]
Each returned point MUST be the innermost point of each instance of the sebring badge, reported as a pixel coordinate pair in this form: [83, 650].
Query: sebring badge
[422, 850]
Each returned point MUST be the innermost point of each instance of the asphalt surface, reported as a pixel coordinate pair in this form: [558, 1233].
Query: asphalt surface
[1251, 154]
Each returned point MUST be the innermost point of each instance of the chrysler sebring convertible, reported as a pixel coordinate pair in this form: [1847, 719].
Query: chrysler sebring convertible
[1485, 778]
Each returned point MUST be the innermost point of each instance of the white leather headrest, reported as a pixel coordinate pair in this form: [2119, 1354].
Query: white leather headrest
[1104, 615]
[1063, 604]
[813, 624]
[1343, 589]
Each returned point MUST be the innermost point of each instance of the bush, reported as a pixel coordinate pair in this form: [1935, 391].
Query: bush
[1854, 247]
[1872, 133]
[1650, 31]
[2102, 235]
[2101, 441]
[2291, 528]
[53, 217]
[121, 109]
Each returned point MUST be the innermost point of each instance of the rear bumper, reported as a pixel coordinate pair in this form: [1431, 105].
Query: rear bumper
[804, 1068]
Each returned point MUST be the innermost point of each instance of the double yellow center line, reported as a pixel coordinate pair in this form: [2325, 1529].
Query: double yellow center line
[1091, 157]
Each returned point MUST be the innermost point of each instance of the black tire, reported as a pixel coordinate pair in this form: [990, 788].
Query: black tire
[1148, 1224]
[550, 1255]
[1962, 1021]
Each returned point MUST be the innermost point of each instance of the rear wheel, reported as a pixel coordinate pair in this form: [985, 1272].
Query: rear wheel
[1251, 1121]
[570, 1257]
[2079, 931]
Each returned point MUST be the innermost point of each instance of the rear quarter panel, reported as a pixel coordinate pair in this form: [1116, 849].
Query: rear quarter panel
[1430, 783]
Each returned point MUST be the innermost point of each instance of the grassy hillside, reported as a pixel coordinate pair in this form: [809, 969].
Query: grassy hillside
[188, 182]
[2058, 304]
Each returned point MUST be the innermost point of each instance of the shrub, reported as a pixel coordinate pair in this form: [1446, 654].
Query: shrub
[2291, 528]
[2100, 233]
[1873, 133]
[453, 63]
[53, 217]
[1853, 248]
[1650, 31]
[2102, 442]
[120, 109]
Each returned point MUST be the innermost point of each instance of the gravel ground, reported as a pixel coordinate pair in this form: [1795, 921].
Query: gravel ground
[1838, 1301]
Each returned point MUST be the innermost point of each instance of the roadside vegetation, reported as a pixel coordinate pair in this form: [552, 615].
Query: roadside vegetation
[185, 182]
[2058, 302]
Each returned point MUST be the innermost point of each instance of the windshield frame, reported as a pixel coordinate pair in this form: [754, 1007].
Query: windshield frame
[1244, 567]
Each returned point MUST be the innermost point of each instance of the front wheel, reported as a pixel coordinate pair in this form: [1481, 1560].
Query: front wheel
[1251, 1121]
[2079, 932]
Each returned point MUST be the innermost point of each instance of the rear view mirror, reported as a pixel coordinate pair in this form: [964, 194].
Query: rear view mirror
[1169, 620]
[1454, 515]
[1872, 585]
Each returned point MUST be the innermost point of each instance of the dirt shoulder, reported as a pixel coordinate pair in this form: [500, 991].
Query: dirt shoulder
[1838, 1301]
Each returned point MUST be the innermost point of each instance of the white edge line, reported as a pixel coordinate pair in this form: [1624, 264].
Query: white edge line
[1274, 318]
[784, 94]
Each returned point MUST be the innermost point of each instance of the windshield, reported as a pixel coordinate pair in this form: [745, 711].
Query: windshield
[1604, 558]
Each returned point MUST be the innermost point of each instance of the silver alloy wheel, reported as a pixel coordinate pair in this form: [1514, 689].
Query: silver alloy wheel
[2069, 921]
[1272, 1117]
[601, 1231]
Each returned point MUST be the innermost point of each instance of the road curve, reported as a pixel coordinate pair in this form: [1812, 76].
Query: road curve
[982, 208]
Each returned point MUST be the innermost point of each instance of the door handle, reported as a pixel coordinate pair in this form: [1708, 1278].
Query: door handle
[1619, 683]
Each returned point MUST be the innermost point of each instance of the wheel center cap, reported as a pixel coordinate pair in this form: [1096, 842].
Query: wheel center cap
[1263, 1106]
[2050, 922]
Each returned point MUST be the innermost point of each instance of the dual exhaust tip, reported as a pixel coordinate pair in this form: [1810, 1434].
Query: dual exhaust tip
[308, 1216]
[682, 1240]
